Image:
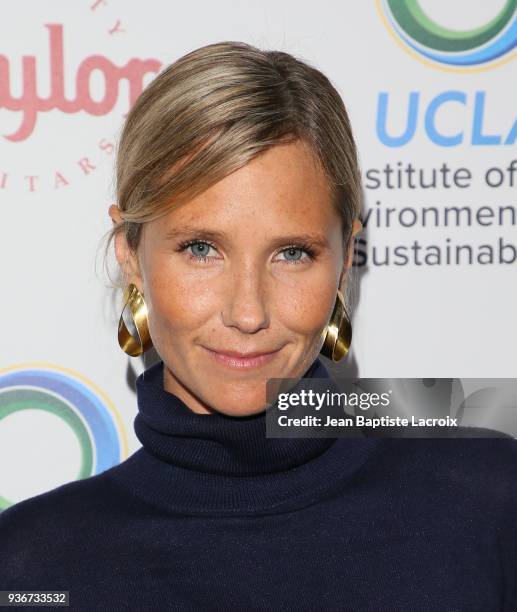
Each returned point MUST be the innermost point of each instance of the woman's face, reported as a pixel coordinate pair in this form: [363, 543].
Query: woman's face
[260, 275]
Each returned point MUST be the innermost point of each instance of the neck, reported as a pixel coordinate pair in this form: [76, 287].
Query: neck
[223, 465]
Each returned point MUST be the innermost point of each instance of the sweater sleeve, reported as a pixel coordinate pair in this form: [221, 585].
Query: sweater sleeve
[20, 540]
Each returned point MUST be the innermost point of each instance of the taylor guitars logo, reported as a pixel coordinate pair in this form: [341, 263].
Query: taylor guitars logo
[30, 104]
[38, 88]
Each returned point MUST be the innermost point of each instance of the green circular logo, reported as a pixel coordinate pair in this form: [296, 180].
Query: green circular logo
[85, 409]
[460, 48]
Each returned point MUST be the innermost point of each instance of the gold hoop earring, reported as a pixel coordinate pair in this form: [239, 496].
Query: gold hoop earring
[338, 332]
[138, 308]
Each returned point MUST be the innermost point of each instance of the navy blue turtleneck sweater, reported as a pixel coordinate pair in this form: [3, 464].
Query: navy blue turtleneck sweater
[211, 515]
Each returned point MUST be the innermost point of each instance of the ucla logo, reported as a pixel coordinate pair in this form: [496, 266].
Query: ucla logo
[452, 49]
[84, 408]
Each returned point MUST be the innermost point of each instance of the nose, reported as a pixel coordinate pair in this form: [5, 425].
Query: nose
[246, 301]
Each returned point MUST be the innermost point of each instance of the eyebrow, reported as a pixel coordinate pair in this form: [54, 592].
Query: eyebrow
[315, 240]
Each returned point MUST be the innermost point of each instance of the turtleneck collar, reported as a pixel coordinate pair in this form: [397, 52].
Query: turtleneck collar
[218, 464]
[215, 443]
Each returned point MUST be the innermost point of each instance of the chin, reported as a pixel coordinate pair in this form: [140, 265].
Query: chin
[240, 412]
[239, 405]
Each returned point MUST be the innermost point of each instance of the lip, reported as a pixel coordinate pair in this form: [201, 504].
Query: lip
[240, 361]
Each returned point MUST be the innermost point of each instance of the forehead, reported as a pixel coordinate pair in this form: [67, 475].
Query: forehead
[284, 185]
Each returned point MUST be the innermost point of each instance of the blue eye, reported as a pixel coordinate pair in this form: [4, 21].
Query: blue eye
[296, 251]
[200, 249]
[293, 254]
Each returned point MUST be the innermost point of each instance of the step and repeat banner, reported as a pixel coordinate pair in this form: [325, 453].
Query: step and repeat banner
[430, 89]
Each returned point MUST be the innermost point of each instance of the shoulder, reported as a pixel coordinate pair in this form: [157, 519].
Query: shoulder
[61, 520]
[94, 489]
[52, 507]
[476, 462]
[471, 447]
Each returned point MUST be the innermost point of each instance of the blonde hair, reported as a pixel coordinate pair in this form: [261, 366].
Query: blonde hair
[213, 110]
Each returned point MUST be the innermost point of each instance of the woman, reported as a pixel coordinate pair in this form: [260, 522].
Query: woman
[238, 192]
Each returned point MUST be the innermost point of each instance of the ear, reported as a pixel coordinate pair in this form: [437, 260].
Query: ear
[356, 228]
[126, 258]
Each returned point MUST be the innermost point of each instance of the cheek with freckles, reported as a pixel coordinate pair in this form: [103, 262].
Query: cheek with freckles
[304, 315]
[304, 310]
[177, 311]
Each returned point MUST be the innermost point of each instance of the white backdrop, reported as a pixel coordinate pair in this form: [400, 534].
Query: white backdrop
[68, 74]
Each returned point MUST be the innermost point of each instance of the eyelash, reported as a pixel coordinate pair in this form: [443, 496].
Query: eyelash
[302, 247]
